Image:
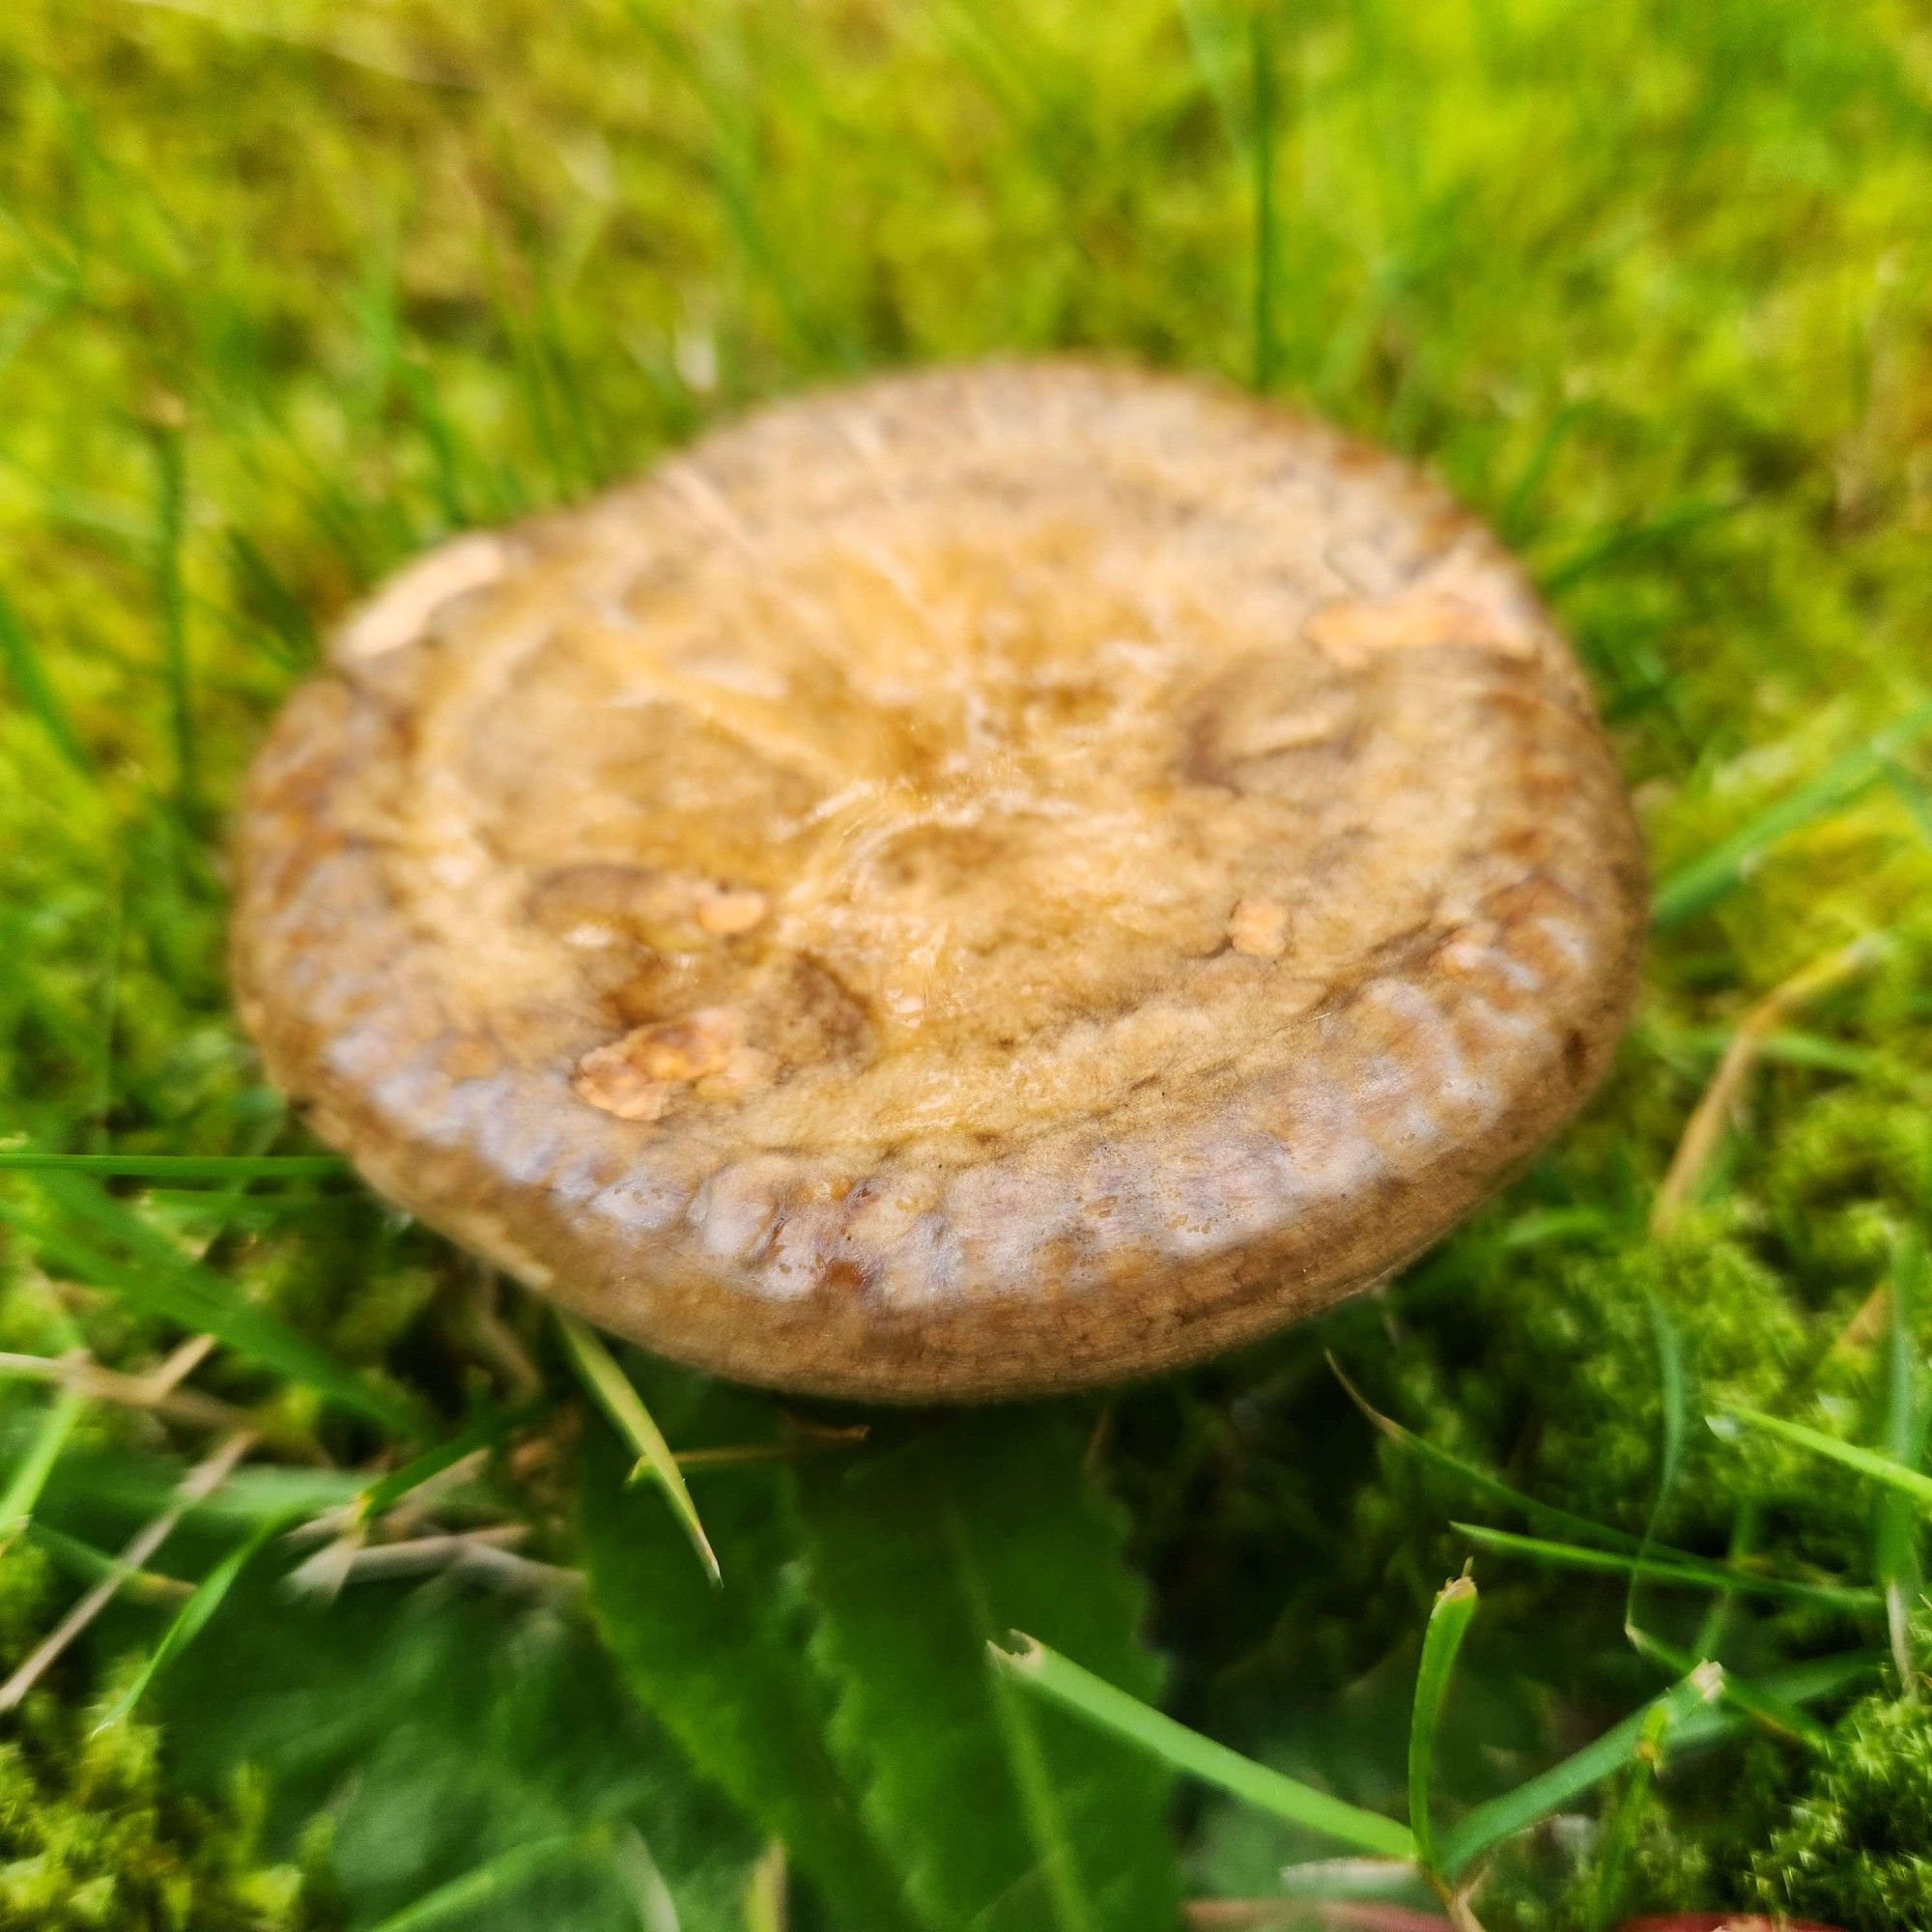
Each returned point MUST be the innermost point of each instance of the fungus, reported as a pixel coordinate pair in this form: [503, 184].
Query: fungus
[980, 882]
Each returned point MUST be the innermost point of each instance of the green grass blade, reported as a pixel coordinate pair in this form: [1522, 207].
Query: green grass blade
[178, 1167]
[136, 1486]
[1698, 886]
[386, 1492]
[1449, 1620]
[1631, 538]
[1814, 1682]
[487, 1884]
[193, 1616]
[551, 345]
[272, 615]
[1039, 1804]
[1262, 107]
[1774, 1712]
[21, 659]
[733, 165]
[1895, 1555]
[1563, 1524]
[449, 459]
[208, 1211]
[1745, 1525]
[83, 1560]
[1216, 60]
[1543, 1224]
[1515, 520]
[1701, 1715]
[1064, 1681]
[1693, 1572]
[1620, 1835]
[1674, 1393]
[765, 1905]
[159, 1280]
[984, 1521]
[30, 1474]
[42, 1452]
[621, 1401]
[171, 602]
[1915, 798]
[1479, 1481]
[1898, 1476]
[1705, 1045]
[1538, 1798]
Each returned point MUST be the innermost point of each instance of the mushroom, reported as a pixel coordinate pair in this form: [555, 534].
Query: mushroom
[982, 882]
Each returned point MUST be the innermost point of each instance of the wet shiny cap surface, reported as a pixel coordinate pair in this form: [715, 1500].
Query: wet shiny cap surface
[986, 881]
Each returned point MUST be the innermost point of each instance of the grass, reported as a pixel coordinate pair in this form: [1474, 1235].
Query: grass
[289, 290]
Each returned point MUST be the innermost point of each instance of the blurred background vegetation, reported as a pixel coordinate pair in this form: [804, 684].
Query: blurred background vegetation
[289, 290]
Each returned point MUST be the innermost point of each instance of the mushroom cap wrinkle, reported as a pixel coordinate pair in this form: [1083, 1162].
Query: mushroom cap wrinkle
[980, 882]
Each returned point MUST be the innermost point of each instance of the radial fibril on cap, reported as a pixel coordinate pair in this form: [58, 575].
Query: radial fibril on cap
[982, 882]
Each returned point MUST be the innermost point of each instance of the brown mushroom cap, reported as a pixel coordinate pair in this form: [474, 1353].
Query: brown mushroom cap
[982, 882]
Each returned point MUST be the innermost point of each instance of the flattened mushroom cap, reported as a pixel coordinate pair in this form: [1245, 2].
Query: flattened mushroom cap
[978, 883]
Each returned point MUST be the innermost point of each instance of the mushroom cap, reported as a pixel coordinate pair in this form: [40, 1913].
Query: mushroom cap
[977, 883]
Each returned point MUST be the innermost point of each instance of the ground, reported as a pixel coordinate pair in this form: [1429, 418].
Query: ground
[288, 291]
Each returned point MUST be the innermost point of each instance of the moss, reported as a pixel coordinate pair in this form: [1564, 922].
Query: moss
[92, 1839]
[1591, 1333]
[1842, 1835]
[93, 1836]
[1551, 1378]
[1848, 1172]
[1854, 1846]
